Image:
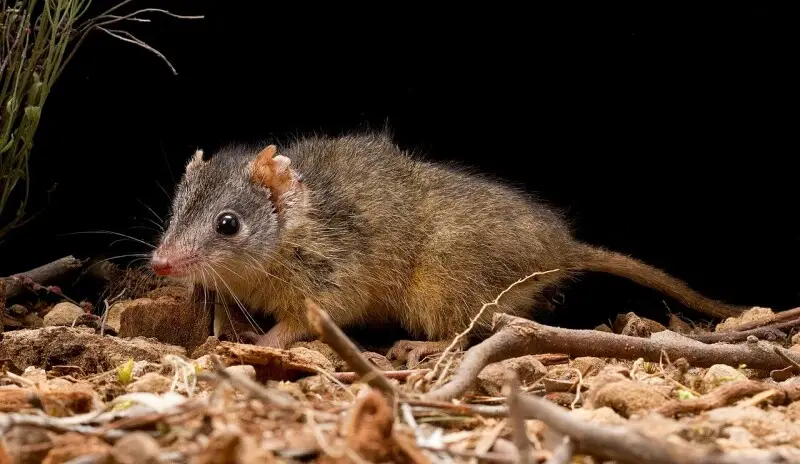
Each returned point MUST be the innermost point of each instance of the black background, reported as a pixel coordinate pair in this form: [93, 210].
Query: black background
[665, 133]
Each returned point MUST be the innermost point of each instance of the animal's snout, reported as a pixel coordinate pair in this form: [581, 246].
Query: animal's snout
[161, 265]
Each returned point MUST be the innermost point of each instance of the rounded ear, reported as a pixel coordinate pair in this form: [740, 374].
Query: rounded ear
[275, 173]
[197, 159]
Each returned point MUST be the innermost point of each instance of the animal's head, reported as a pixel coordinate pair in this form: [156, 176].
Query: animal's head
[228, 212]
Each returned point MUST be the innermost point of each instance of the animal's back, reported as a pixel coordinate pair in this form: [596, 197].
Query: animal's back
[424, 243]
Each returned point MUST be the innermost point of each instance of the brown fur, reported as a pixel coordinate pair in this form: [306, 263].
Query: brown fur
[374, 234]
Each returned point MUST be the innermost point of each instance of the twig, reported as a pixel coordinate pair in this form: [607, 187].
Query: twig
[10, 420]
[332, 335]
[729, 393]
[350, 377]
[619, 442]
[779, 317]
[474, 321]
[126, 36]
[518, 421]
[468, 409]
[266, 395]
[490, 457]
[515, 336]
[774, 330]
[563, 453]
[780, 352]
[15, 284]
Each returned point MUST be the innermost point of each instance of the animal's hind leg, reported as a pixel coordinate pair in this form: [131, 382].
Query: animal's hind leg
[454, 313]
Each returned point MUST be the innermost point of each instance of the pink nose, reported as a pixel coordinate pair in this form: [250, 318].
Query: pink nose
[161, 265]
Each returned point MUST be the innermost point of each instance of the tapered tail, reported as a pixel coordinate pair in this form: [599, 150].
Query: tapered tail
[610, 262]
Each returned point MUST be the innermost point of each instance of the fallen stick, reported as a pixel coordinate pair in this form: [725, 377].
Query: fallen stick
[619, 442]
[498, 411]
[729, 393]
[350, 377]
[779, 317]
[41, 275]
[333, 336]
[563, 452]
[518, 428]
[775, 330]
[515, 336]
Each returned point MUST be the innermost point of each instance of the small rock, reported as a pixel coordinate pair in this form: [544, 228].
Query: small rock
[719, 374]
[325, 349]
[796, 339]
[206, 348]
[150, 383]
[527, 368]
[588, 365]
[243, 369]
[17, 310]
[795, 348]
[635, 326]
[135, 448]
[628, 397]
[33, 321]
[164, 318]
[604, 328]
[292, 388]
[793, 411]
[755, 313]
[676, 324]
[35, 374]
[63, 314]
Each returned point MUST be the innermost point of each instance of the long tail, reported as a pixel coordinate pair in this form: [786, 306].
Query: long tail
[610, 262]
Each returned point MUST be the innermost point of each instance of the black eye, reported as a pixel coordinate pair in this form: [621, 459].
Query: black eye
[227, 224]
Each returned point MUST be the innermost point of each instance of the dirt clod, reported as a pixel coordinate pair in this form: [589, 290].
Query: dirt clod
[628, 397]
[165, 318]
[528, 370]
[136, 448]
[63, 314]
[52, 346]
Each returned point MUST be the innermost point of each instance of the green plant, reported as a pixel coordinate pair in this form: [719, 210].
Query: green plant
[125, 372]
[37, 40]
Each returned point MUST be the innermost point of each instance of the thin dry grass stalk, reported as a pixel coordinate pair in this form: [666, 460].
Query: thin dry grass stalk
[34, 50]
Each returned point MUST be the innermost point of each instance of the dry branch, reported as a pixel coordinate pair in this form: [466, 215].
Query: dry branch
[350, 377]
[41, 275]
[620, 443]
[728, 394]
[779, 317]
[332, 335]
[519, 430]
[563, 453]
[515, 336]
[773, 330]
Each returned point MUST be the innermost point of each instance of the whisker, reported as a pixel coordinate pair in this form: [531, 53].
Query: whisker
[110, 232]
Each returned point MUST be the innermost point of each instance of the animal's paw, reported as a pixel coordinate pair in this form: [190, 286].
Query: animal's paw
[412, 351]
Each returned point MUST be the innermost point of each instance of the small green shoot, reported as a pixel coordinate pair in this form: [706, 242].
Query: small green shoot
[125, 372]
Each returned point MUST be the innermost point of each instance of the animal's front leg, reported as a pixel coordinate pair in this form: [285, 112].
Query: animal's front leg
[284, 334]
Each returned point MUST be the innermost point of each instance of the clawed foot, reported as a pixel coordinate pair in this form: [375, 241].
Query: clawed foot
[413, 351]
